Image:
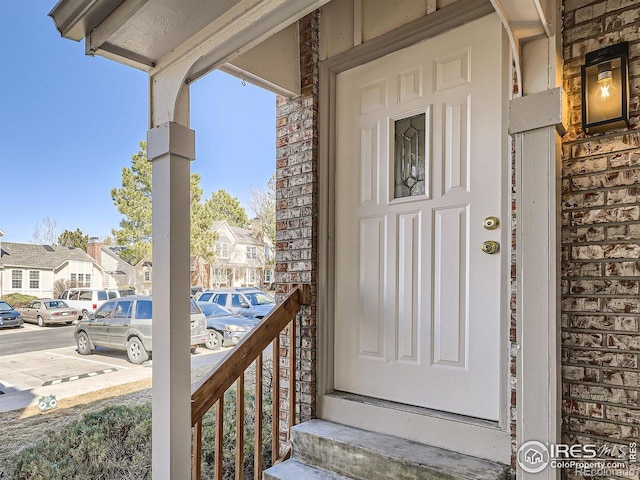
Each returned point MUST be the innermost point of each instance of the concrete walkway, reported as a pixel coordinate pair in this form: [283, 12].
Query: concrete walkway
[29, 379]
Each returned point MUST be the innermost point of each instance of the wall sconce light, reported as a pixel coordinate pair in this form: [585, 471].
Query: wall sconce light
[605, 89]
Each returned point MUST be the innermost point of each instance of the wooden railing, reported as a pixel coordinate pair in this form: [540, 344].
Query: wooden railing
[210, 391]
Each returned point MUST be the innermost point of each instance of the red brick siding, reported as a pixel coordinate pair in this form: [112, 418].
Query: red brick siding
[297, 219]
[600, 242]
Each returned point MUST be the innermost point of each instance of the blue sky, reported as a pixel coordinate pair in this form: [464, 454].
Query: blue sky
[69, 123]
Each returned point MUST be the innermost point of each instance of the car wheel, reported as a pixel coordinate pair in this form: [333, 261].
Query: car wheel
[136, 352]
[41, 322]
[85, 315]
[69, 323]
[194, 349]
[84, 345]
[214, 340]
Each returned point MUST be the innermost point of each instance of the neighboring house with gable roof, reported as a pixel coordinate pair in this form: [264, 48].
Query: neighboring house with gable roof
[242, 259]
[33, 269]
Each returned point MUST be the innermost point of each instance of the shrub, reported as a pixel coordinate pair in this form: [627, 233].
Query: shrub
[17, 300]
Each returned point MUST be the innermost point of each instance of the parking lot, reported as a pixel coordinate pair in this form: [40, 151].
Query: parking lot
[37, 362]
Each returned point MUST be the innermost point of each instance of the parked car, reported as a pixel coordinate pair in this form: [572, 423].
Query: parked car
[248, 302]
[87, 300]
[9, 316]
[225, 328]
[125, 324]
[46, 311]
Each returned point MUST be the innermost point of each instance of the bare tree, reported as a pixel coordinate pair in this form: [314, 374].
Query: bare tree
[59, 286]
[263, 203]
[45, 232]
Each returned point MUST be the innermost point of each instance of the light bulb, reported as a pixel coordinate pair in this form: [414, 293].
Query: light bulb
[606, 87]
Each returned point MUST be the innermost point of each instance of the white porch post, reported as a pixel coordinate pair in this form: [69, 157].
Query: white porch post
[171, 147]
[533, 122]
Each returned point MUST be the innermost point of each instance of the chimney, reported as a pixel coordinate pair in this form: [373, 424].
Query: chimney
[94, 249]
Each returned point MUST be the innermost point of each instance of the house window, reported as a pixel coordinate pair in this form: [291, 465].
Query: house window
[223, 249]
[34, 279]
[268, 276]
[80, 280]
[219, 275]
[147, 275]
[251, 276]
[252, 252]
[16, 279]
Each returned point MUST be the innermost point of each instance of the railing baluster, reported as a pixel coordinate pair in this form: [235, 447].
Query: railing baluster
[210, 392]
[275, 418]
[219, 438]
[196, 467]
[257, 446]
[240, 426]
[292, 375]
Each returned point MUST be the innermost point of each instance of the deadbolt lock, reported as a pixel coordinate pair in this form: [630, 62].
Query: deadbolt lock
[490, 247]
[491, 223]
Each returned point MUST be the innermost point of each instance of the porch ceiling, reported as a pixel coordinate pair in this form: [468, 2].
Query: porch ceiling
[155, 34]
[152, 35]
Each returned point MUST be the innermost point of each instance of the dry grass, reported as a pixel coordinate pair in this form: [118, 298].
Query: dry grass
[22, 428]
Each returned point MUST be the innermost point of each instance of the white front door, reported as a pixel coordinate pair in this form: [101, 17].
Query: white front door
[418, 169]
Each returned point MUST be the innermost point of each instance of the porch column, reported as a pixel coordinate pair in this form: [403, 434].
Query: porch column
[533, 121]
[171, 147]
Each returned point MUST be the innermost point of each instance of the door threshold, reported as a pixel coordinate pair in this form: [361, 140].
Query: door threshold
[414, 410]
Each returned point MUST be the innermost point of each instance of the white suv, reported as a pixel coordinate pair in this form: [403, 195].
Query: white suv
[87, 300]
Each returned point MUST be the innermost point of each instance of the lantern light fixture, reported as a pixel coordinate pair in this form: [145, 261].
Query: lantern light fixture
[605, 89]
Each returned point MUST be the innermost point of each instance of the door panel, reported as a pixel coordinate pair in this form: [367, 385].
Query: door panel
[418, 168]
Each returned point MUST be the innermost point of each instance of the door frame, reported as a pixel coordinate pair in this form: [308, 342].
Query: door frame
[475, 437]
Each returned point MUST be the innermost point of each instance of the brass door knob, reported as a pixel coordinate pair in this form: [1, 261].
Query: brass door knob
[491, 223]
[490, 247]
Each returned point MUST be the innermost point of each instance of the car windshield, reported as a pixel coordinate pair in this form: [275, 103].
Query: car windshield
[259, 298]
[5, 306]
[213, 309]
[55, 304]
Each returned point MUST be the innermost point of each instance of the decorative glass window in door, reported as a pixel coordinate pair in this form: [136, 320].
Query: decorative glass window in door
[409, 156]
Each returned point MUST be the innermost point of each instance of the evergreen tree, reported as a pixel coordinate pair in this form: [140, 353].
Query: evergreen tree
[73, 239]
[226, 207]
[133, 201]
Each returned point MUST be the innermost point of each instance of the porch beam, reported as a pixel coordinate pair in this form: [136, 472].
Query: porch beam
[170, 148]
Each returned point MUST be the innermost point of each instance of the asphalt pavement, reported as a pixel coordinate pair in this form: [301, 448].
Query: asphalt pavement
[29, 378]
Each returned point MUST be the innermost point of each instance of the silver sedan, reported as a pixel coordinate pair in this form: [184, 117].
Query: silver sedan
[46, 311]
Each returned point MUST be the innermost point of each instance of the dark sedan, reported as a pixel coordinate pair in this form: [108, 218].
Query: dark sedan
[9, 317]
[225, 328]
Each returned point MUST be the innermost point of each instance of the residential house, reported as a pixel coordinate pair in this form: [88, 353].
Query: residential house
[241, 259]
[472, 249]
[138, 276]
[144, 276]
[108, 257]
[34, 269]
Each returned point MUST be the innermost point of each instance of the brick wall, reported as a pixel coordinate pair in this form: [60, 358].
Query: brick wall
[600, 243]
[297, 218]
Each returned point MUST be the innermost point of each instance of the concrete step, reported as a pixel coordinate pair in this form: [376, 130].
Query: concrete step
[294, 470]
[364, 455]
